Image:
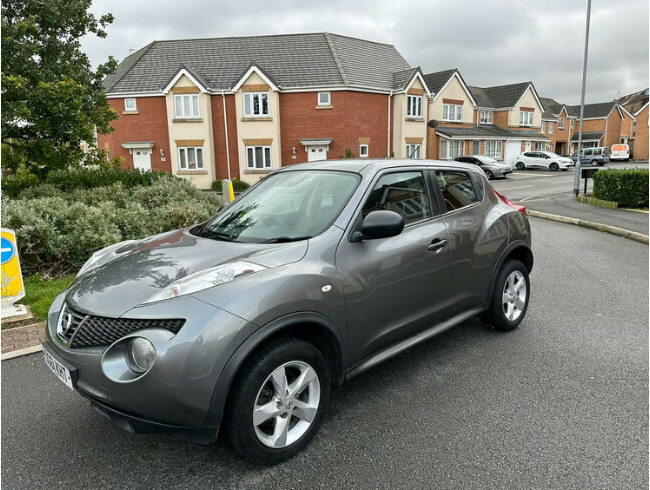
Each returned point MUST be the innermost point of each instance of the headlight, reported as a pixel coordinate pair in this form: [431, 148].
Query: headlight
[205, 279]
[140, 355]
[102, 256]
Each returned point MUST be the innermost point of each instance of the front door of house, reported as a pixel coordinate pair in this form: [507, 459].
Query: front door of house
[315, 153]
[475, 147]
[527, 147]
[142, 159]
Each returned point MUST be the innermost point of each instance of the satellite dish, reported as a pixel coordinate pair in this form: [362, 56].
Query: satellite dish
[433, 123]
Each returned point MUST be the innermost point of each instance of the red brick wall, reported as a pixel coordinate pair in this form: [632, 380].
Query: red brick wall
[353, 115]
[149, 124]
[500, 118]
[613, 128]
[641, 136]
[219, 132]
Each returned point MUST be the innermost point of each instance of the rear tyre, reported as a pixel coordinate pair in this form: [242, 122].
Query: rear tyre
[489, 175]
[278, 401]
[510, 297]
[554, 167]
[594, 163]
[520, 165]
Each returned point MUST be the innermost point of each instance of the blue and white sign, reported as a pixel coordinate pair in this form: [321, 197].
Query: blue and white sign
[7, 250]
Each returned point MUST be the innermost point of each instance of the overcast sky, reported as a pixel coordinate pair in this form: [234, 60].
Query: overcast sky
[492, 42]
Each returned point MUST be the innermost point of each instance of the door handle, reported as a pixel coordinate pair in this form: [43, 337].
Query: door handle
[437, 245]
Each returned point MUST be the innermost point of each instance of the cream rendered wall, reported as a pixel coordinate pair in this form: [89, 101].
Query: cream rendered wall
[192, 130]
[404, 127]
[453, 90]
[527, 100]
[258, 128]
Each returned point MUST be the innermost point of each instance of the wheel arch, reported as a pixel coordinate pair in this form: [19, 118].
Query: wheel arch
[309, 326]
[518, 250]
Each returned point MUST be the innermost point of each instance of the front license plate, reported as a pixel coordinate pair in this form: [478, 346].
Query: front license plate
[59, 370]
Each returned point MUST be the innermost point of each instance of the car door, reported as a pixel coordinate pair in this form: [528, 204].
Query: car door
[530, 159]
[477, 237]
[395, 287]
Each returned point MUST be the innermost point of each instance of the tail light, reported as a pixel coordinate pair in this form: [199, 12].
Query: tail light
[512, 205]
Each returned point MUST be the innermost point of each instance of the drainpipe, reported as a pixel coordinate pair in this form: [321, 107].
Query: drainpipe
[225, 127]
[388, 129]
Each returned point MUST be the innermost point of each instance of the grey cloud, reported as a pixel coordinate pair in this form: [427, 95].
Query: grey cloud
[491, 42]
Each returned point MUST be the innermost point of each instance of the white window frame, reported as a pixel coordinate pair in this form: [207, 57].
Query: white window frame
[251, 105]
[126, 105]
[266, 163]
[543, 127]
[414, 106]
[452, 112]
[493, 148]
[450, 149]
[361, 152]
[488, 119]
[329, 99]
[186, 151]
[415, 149]
[572, 123]
[550, 127]
[183, 114]
[526, 118]
[560, 123]
[539, 146]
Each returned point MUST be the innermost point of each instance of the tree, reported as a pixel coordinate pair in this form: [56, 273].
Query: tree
[52, 99]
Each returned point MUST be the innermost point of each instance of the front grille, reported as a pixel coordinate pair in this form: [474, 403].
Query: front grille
[79, 330]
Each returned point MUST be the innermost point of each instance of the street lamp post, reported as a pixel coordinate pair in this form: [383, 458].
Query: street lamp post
[576, 176]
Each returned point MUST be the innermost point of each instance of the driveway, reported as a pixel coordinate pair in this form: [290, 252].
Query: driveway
[562, 402]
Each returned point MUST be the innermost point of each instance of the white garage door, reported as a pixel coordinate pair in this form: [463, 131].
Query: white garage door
[315, 153]
[513, 149]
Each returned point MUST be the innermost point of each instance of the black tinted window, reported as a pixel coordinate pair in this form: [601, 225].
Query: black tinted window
[404, 192]
[457, 189]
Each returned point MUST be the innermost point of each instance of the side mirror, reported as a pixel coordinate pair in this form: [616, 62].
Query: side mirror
[379, 224]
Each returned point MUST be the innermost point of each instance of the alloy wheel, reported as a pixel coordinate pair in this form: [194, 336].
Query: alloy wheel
[286, 404]
[514, 296]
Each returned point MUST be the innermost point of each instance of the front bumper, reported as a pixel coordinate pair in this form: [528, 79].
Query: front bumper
[175, 394]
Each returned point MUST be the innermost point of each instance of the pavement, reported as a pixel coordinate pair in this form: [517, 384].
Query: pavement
[561, 402]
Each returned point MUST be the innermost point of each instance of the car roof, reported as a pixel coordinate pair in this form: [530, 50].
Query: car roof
[364, 166]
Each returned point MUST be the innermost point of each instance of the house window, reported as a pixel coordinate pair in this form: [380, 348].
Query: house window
[324, 98]
[560, 123]
[525, 118]
[258, 157]
[539, 146]
[633, 129]
[129, 104]
[572, 121]
[451, 148]
[486, 117]
[493, 149]
[186, 105]
[550, 128]
[452, 112]
[543, 127]
[190, 158]
[414, 106]
[363, 151]
[256, 104]
[413, 150]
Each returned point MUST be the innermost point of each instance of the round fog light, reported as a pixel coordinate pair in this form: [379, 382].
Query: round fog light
[140, 355]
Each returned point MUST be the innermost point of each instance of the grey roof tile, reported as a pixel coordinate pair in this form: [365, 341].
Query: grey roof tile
[291, 60]
[588, 135]
[402, 78]
[601, 109]
[500, 96]
[489, 131]
[435, 81]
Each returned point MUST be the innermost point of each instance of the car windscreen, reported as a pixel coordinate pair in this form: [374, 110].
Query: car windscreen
[286, 206]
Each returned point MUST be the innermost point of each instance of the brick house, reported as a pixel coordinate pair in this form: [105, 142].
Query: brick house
[557, 124]
[206, 108]
[604, 124]
[640, 132]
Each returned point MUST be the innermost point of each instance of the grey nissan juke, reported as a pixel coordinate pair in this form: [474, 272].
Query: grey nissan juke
[241, 325]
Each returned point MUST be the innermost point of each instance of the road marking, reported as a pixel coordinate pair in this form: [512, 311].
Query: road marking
[511, 188]
[533, 175]
[532, 199]
[636, 210]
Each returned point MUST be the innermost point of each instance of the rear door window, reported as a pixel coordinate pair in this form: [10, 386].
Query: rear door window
[405, 193]
[457, 189]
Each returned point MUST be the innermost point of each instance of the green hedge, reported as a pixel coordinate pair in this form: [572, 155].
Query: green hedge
[57, 230]
[237, 185]
[628, 187]
[80, 177]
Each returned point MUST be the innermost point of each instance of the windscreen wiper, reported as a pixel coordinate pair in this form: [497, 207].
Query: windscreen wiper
[282, 239]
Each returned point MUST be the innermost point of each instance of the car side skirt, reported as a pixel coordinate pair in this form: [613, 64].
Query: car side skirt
[406, 344]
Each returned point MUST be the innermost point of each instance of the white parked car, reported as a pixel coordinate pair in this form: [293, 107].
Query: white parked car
[543, 159]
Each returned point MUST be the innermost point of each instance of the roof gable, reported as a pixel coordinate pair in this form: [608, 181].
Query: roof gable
[502, 96]
[645, 106]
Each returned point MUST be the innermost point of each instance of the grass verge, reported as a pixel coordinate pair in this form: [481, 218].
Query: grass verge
[40, 293]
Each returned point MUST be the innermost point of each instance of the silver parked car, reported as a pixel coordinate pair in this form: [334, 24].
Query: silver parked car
[241, 325]
[597, 156]
[491, 167]
[543, 159]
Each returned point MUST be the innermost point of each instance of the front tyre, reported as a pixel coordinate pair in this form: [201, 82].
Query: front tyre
[489, 174]
[278, 401]
[510, 297]
[520, 165]
[554, 167]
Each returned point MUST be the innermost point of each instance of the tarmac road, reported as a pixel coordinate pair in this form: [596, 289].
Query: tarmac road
[562, 402]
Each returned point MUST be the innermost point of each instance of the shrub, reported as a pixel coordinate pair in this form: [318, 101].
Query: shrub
[628, 187]
[237, 185]
[57, 231]
[89, 178]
